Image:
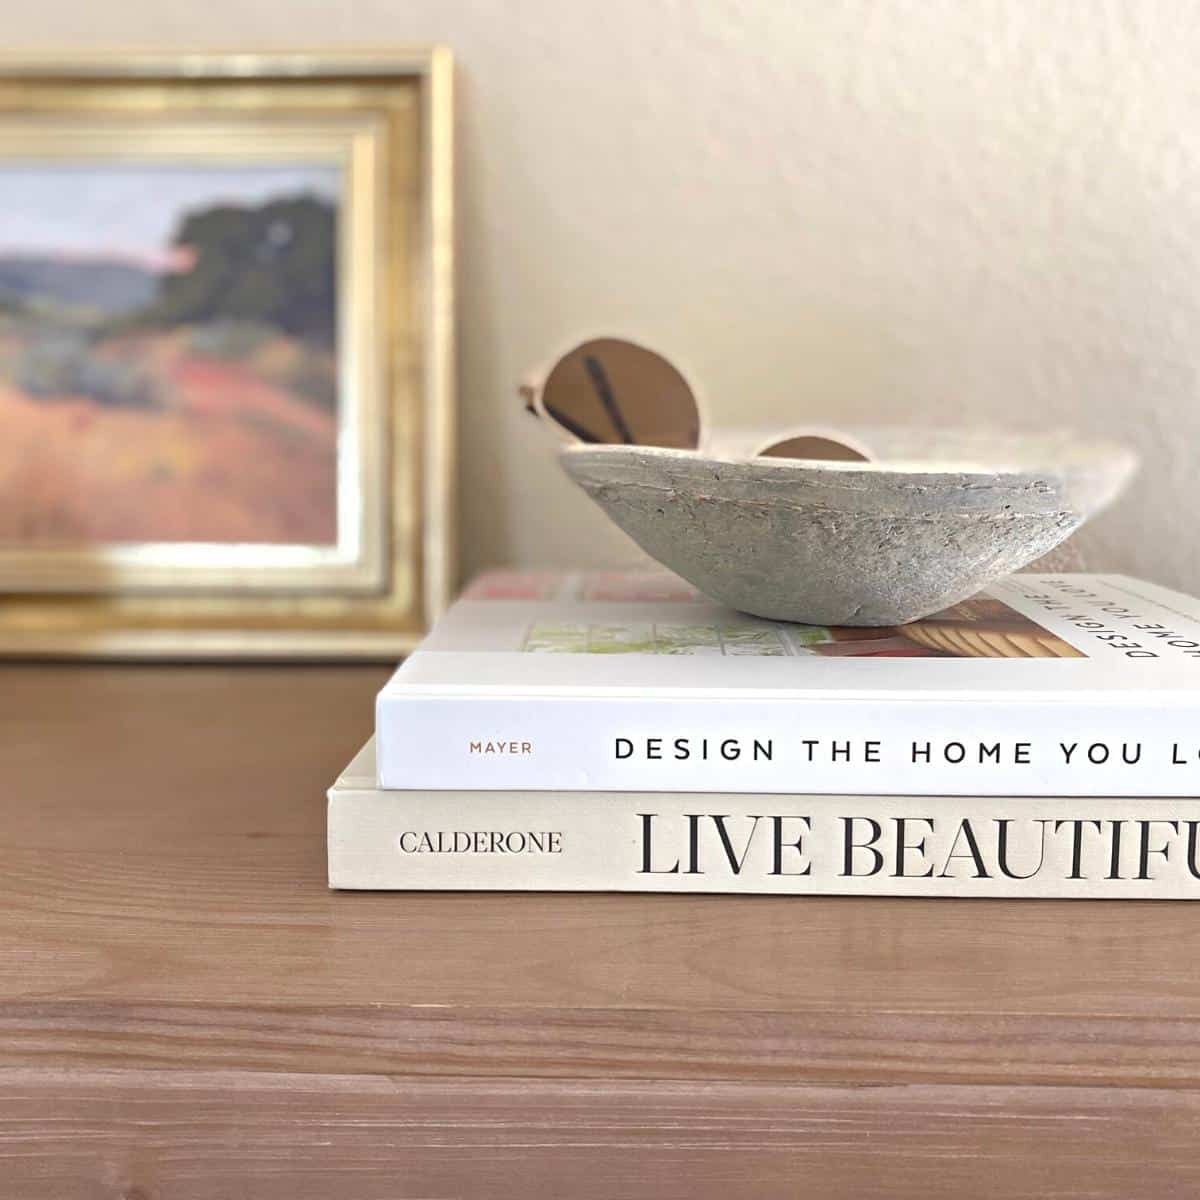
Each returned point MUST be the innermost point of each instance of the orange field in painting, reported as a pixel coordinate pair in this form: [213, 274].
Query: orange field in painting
[219, 449]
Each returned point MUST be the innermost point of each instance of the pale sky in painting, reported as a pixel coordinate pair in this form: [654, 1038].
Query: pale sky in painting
[86, 210]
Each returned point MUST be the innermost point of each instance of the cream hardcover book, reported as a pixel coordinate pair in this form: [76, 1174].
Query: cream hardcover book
[1043, 685]
[775, 844]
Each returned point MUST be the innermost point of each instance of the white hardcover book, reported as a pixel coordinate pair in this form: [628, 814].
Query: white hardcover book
[774, 844]
[1062, 685]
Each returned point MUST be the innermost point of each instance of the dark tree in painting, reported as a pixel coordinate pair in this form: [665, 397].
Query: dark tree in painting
[274, 265]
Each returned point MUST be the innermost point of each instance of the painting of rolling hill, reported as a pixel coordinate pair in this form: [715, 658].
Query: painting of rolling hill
[168, 354]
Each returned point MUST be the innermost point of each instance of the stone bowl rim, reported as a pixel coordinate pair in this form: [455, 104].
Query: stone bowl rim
[1087, 453]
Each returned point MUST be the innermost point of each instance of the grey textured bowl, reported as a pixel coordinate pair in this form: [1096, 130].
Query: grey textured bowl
[852, 543]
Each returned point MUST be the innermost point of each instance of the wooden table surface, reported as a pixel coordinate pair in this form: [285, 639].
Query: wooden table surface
[186, 1010]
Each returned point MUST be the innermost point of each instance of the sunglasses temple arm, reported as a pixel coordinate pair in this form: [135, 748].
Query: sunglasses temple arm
[531, 394]
[571, 426]
[604, 391]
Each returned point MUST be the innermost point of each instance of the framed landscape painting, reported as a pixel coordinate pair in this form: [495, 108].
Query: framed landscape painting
[225, 355]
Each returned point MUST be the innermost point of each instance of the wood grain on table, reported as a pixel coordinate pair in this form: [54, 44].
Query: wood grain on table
[187, 1011]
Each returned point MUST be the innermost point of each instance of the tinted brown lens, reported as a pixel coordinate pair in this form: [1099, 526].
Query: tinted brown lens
[615, 392]
[813, 446]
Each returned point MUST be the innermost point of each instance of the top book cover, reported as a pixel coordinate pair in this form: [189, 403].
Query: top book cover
[632, 681]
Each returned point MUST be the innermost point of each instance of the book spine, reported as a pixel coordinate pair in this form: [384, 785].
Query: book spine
[783, 845]
[883, 746]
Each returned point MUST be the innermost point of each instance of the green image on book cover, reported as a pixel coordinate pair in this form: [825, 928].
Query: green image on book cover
[982, 627]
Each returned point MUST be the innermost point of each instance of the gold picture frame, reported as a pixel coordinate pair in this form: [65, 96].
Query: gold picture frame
[378, 129]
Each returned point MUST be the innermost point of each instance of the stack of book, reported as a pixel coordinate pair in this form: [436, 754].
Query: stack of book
[616, 731]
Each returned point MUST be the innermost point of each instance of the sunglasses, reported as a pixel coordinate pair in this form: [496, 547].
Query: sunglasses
[608, 391]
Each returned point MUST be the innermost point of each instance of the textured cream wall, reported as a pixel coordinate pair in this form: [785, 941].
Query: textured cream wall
[927, 210]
